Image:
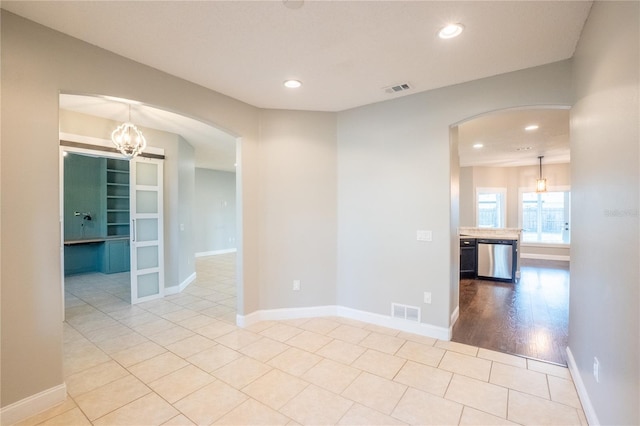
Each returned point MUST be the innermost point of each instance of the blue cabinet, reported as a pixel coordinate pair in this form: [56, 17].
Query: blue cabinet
[96, 214]
[81, 258]
[115, 256]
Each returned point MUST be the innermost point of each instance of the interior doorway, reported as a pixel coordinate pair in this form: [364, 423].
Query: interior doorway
[95, 228]
[94, 118]
[112, 214]
[527, 316]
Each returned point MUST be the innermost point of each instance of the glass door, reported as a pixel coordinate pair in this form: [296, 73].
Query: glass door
[147, 247]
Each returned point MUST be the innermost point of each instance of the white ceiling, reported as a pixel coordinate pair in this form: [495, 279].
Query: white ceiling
[214, 149]
[344, 52]
[506, 143]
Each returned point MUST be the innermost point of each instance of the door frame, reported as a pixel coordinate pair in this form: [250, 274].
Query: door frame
[95, 147]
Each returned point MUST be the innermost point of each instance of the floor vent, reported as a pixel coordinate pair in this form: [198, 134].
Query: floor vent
[406, 312]
[397, 88]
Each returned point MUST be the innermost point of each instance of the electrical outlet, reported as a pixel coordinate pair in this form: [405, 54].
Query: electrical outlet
[296, 285]
[427, 297]
[596, 369]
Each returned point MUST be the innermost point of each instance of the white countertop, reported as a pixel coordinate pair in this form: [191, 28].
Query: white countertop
[492, 236]
[490, 233]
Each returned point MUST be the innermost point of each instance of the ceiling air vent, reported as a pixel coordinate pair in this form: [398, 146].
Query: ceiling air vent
[396, 88]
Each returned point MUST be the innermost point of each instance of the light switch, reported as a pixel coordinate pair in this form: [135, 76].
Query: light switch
[423, 235]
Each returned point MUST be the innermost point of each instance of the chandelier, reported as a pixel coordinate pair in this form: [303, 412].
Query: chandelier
[128, 139]
[541, 183]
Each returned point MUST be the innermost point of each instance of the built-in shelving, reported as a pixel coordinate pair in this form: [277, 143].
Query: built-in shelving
[117, 197]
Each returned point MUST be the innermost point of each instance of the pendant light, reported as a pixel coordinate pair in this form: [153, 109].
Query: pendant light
[541, 183]
[128, 139]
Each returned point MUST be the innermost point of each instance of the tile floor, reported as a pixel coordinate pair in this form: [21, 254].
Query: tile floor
[182, 361]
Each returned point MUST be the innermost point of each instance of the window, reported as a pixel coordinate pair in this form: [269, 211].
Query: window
[491, 207]
[545, 217]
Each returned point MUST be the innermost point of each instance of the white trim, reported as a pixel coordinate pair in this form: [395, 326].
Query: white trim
[106, 143]
[342, 311]
[541, 256]
[502, 204]
[285, 313]
[589, 411]
[61, 218]
[215, 252]
[32, 405]
[546, 245]
[454, 317]
[175, 289]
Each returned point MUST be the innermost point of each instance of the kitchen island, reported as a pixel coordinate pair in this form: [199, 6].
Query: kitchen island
[489, 253]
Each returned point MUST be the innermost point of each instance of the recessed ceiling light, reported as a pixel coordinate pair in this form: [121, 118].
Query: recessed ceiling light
[531, 127]
[451, 31]
[477, 145]
[292, 84]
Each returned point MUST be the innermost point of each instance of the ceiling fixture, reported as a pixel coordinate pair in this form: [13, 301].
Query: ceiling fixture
[541, 183]
[450, 31]
[401, 87]
[128, 139]
[292, 84]
[293, 4]
[478, 145]
[531, 127]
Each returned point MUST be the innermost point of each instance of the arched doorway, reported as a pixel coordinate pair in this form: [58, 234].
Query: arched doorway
[498, 156]
[191, 145]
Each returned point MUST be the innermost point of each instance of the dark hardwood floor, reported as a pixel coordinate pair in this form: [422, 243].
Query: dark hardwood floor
[529, 318]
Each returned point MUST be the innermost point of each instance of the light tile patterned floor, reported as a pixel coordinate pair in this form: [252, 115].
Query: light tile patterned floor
[182, 361]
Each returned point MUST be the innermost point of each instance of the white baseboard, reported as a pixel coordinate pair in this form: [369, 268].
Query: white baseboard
[284, 314]
[589, 411]
[214, 252]
[342, 311]
[179, 288]
[454, 317]
[539, 256]
[33, 405]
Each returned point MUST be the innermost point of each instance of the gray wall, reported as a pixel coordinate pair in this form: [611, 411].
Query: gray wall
[298, 225]
[186, 203]
[215, 210]
[395, 171]
[362, 180]
[604, 320]
[37, 64]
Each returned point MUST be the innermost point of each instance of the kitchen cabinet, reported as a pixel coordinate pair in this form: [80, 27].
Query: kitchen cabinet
[115, 256]
[81, 258]
[468, 257]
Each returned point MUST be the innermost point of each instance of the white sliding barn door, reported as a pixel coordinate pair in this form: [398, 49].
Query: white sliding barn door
[147, 245]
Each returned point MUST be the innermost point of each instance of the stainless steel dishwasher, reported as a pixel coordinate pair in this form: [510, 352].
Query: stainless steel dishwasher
[497, 259]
